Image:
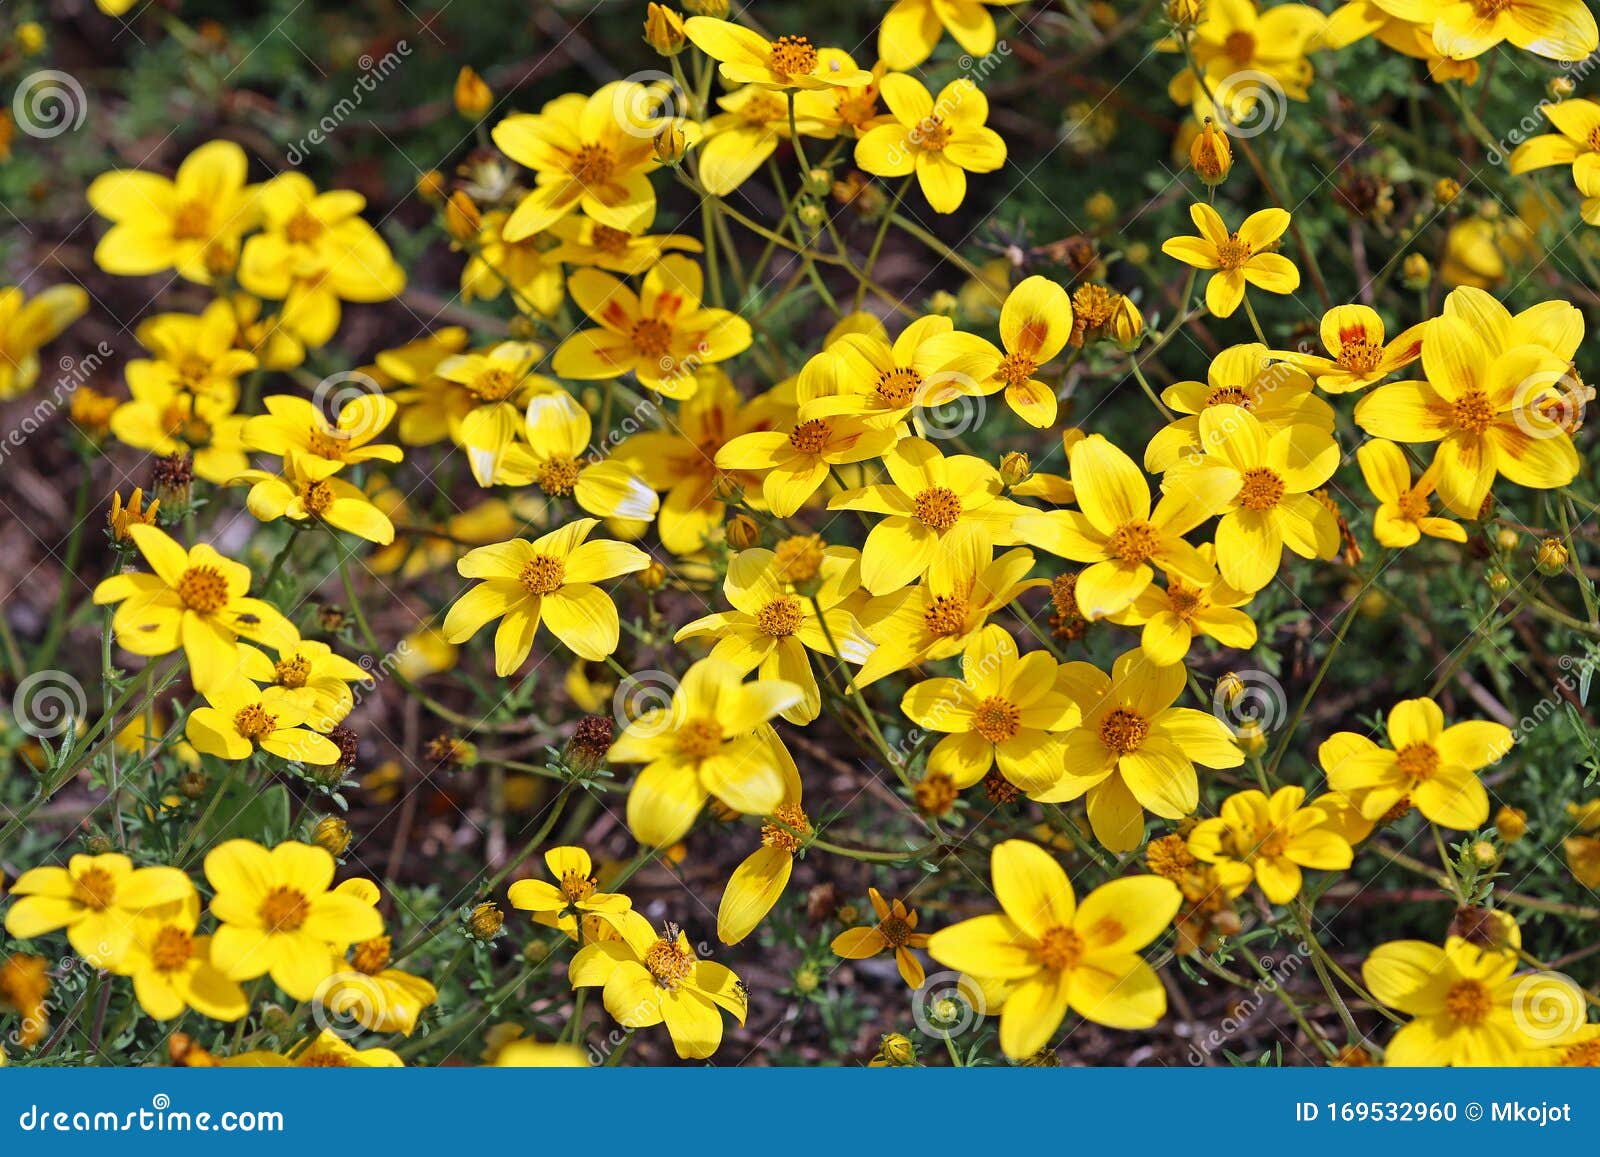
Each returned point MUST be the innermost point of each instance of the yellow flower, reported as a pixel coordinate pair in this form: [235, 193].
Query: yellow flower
[790, 62]
[649, 979]
[556, 457]
[748, 130]
[862, 374]
[278, 915]
[1035, 325]
[1277, 393]
[1555, 29]
[1116, 531]
[298, 494]
[662, 333]
[1575, 142]
[172, 970]
[1353, 335]
[1239, 259]
[321, 447]
[365, 989]
[97, 899]
[1172, 617]
[1404, 513]
[1427, 764]
[711, 741]
[1467, 1005]
[484, 417]
[1245, 54]
[1271, 478]
[941, 140]
[136, 513]
[194, 599]
[194, 353]
[526, 1054]
[757, 883]
[1134, 751]
[1052, 953]
[586, 242]
[311, 668]
[530, 267]
[25, 325]
[895, 931]
[794, 463]
[772, 623]
[327, 1050]
[1271, 839]
[551, 580]
[591, 152]
[560, 905]
[1485, 408]
[911, 29]
[180, 224]
[1005, 711]
[240, 718]
[165, 420]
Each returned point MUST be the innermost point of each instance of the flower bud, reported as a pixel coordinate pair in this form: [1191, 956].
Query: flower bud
[1506, 538]
[332, 835]
[717, 9]
[1511, 823]
[1416, 271]
[652, 577]
[663, 30]
[485, 921]
[1126, 327]
[1551, 557]
[432, 187]
[1185, 14]
[1561, 87]
[670, 145]
[1015, 465]
[1446, 190]
[1210, 154]
[461, 217]
[743, 532]
[472, 95]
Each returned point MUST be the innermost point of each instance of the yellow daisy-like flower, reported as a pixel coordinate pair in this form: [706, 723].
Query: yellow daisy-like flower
[862, 374]
[166, 419]
[196, 600]
[895, 931]
[189, 223]
[551, 580]
[759, 880]
[930, 507]
[1236, 45]
[1575, 142]
[485, 417]
[1240, 259]
[1405, 508]
[531, 267]
[1135, 751]
[1427, 764]
[711, 741]
[1487, 410]
[278, 915]
[790, 62]
[1051, 953]
[310, 667]
[1271, 478]
[754, 120]
[586, 242]
[556, 458]
[1006, 710]
[1035, 325]
[322, 447]
[172, 970]
[328, 1050]
[575, 893]
[1278, 393]
[240, 718]
[378, 998]
[662, 333]
[590, 152]
[429, 404]
[28, 323]
[1358, 353]
[912, 28]
[298, 494]
[772, 625]
[97, 899]
[941, 141]
[649, 979]
[1555, 29]
[794, 463]
[1467, 1004]
[194, 353]
[1173, 616]
[1271, 840]
[1116, 531]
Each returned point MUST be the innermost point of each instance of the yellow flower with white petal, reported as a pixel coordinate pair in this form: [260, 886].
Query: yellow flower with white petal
[97, 899]
[556, 458]
[189, 223]
[1007, 710]
[1405, 510]
[1241, 258]
[1431, 766]
[772, 624]
[662, 334]
[712, 740]
[1271, 840]
[1135, 750]
[940, 139]
[550, 580]
[760, 878]
[789, 62]
[1053, 953]
[299, 494]
[488, 418]
[310, 667]
[321, 448]
[1358, 352]
[585, 242]
[28, 323]
[195, 599]
[240, 719]
[171, 966]
[648, 979]
[1035, 325]
[1116, 531]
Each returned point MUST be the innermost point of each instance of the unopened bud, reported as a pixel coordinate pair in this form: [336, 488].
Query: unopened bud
[472, 95]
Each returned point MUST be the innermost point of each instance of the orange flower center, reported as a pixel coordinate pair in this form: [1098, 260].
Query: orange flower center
[938, 508]
[780, 618]
[253, 722]
[1413, 505]
[302, 228]
[203, 589]
[1262, 489]
[558, 477]
[372, 956]
[1468, 1001]
[764, 108]
[95, 889]
[667, 963]
[651, 337]
[322, 1059]
[1183, 599]
[172, 949]
[609, 240]
[899, 386]
[700, 738]
[1134, 542]
[1123, 729]
[291, 673]
[1585, 1055]
[811, 437]
[996, 719]
[895, 930]
[792, 56]
[1233, 253]
[1418, 760]
[192, 221]
[1360, 356]
[932, 134]
[1488, 8]
[1230, 396]
[779, 835]
[317, 497]
[1016, 369]
[542, 574]
[946, 615]
[284, 910]
[1472, 412]
[575, 886]
[325, 444]
[494, 385]
[592, 165]
[1060, 948]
